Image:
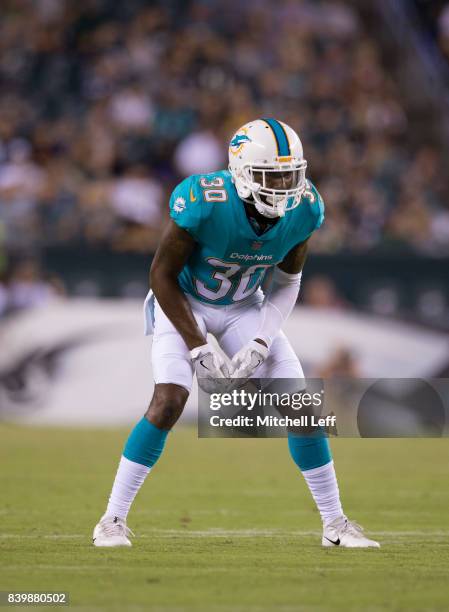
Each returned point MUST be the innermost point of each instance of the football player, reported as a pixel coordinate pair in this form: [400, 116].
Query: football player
[227, 230]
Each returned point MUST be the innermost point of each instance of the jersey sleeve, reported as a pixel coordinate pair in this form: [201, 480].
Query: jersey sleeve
[319, 210]
[186, 207]
[315, 208]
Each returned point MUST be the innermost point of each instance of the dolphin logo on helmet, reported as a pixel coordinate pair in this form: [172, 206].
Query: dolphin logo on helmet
[237, 142]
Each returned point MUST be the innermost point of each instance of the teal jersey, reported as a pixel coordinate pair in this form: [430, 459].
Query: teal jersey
[230, 259]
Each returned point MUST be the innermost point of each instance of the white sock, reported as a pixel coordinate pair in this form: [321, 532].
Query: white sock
[322, 483]
[128, 480]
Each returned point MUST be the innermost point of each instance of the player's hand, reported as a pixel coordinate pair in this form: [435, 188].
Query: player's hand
[248, 359]
[212, 371]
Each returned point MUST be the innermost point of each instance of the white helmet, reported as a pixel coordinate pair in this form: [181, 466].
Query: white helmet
[262, 153]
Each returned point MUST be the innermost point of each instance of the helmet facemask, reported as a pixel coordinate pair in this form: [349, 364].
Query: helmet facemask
[275, 188]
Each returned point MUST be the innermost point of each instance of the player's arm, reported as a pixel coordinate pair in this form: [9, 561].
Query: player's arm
[173, 251]
[294, 261]
[280, 299]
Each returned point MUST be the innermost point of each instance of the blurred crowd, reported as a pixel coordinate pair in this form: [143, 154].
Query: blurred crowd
[106, 105]
[434, 15]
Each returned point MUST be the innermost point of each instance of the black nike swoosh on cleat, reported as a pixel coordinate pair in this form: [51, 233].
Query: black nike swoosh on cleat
[335, 542]
[204, 366]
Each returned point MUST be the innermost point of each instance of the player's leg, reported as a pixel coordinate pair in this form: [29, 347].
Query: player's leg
[312, 454]
[173, 375]
[144, 447]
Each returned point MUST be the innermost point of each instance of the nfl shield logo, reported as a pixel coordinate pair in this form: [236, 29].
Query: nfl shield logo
[256, 245]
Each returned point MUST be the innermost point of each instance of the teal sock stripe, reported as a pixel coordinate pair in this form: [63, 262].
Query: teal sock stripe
[309, 452]
[280, 136]
[145, 443]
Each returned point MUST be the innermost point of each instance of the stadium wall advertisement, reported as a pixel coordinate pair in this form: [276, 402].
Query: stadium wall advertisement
[83, 362]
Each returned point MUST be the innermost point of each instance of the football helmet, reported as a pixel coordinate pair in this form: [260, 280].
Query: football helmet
[267, 166]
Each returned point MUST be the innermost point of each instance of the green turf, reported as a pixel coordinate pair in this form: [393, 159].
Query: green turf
[223, 525]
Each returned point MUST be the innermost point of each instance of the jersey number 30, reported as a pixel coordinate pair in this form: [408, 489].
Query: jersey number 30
[213, 189]
[244, 283]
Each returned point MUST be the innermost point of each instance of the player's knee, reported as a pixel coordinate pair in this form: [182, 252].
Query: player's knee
[166, 405]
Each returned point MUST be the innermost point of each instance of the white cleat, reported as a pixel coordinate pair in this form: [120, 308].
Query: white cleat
[111, 531]
[343, 532]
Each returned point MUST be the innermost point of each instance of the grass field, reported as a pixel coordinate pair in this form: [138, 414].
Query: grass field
[223, 525]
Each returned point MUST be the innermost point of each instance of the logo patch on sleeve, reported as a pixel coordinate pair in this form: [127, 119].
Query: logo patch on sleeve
[179, 204]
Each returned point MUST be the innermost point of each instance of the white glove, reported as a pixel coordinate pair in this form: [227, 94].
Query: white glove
[212, 371]
[248, 359]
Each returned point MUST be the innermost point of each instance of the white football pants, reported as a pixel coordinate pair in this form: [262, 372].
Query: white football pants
[233, 326]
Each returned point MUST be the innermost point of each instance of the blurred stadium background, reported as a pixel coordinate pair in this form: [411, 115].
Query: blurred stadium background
[106, 105]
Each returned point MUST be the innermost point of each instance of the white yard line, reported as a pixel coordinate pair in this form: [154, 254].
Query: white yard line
[226, 533]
